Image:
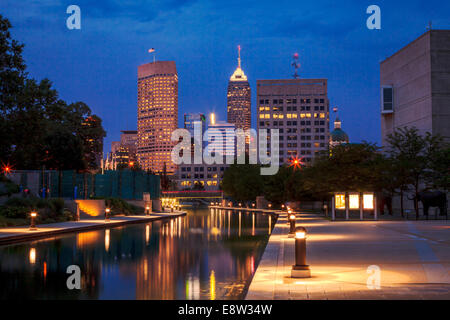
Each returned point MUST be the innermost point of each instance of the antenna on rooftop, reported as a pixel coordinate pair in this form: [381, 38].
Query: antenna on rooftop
[296, 65]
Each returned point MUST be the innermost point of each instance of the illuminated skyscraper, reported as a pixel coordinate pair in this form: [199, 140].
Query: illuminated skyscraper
[157, 114]
[239, 98]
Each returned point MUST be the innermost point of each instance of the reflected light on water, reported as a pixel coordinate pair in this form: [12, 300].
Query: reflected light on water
[107, 239]
[212, 285]
[147, 234]
[32, 256]
[192, 288]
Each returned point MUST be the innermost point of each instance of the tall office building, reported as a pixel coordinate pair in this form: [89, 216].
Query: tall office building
[299, 108]
[415, 86]
[157, 114]
[239, 98]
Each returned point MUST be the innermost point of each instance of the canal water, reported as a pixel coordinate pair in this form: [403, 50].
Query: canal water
[208, 254]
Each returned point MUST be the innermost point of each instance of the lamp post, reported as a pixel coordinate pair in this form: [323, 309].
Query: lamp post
[292, 218]
[300, 269]
[33, 216]
[107, 212]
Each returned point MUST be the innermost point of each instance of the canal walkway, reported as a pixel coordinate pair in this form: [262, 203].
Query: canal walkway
[412, 259]
[18, 234]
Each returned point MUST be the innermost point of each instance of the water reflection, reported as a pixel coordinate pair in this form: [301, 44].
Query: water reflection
[205, 255]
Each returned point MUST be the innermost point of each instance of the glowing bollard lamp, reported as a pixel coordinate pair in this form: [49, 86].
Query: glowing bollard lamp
[300, 269]
[147, 210]
[33, 216]
[107, 212]
[292, 229]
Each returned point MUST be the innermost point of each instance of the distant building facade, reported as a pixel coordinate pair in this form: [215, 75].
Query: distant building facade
[338, 136]
[239, 98]
[221, 138]
[299, 108]
[200, 176]
[415, 86]
[157, 115]
[124, 152]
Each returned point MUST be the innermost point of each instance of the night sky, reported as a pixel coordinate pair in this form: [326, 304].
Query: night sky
[98, 64]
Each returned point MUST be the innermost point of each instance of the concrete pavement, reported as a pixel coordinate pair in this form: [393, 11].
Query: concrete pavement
[413, 258]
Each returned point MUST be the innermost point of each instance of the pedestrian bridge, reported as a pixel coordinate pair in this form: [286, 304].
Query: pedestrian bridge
[201, 196]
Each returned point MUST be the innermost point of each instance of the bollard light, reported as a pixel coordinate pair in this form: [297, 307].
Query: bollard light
[282, 207]
[33, 216]
[147, 210]
[253, 204]
[292, 230]
[212, 203]
[300, 269]
[107, 212]
[171, 208]
[240, 204]
[270, 205]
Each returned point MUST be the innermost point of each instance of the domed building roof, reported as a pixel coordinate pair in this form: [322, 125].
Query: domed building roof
[338, 136]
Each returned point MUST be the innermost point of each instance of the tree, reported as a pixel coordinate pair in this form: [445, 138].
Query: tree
[37, 126]
[275, 186]
[243, 182]
[413, 156]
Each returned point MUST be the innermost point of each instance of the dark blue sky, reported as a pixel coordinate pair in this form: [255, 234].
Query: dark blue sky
[98, 64]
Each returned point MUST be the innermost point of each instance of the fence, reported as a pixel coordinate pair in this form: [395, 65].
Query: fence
[124, 184]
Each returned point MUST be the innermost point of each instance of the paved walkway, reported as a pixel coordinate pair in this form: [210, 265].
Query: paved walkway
[16, 234]
[413, 258]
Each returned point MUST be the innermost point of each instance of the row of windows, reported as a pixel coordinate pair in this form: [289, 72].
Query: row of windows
[293, 108]
[197, 182]
[302, 137]
[290, 101]
[201, 169]
[292, 115]
[290, 123]
[200, 176]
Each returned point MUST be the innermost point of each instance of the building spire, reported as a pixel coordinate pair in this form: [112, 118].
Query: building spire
[239, 56]
[239, 74]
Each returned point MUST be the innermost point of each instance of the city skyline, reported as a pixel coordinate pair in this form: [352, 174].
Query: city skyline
[103, 73]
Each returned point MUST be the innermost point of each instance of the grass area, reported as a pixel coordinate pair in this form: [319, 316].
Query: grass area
[15, 211]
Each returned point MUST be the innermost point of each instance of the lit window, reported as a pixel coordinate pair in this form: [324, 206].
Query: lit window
[368, 201]
[340, 201]
[354, 201]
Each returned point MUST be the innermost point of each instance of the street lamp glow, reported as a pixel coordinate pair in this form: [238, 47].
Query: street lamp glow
[107, 211]
[300, 234]
[33, 216]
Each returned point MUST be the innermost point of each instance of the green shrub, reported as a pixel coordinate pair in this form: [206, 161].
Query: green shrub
[14, 212]
[120, 206]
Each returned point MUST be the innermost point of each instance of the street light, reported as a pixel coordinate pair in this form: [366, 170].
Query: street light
[292, 218]
[300, 269]
[33, 216]
[107, 212]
